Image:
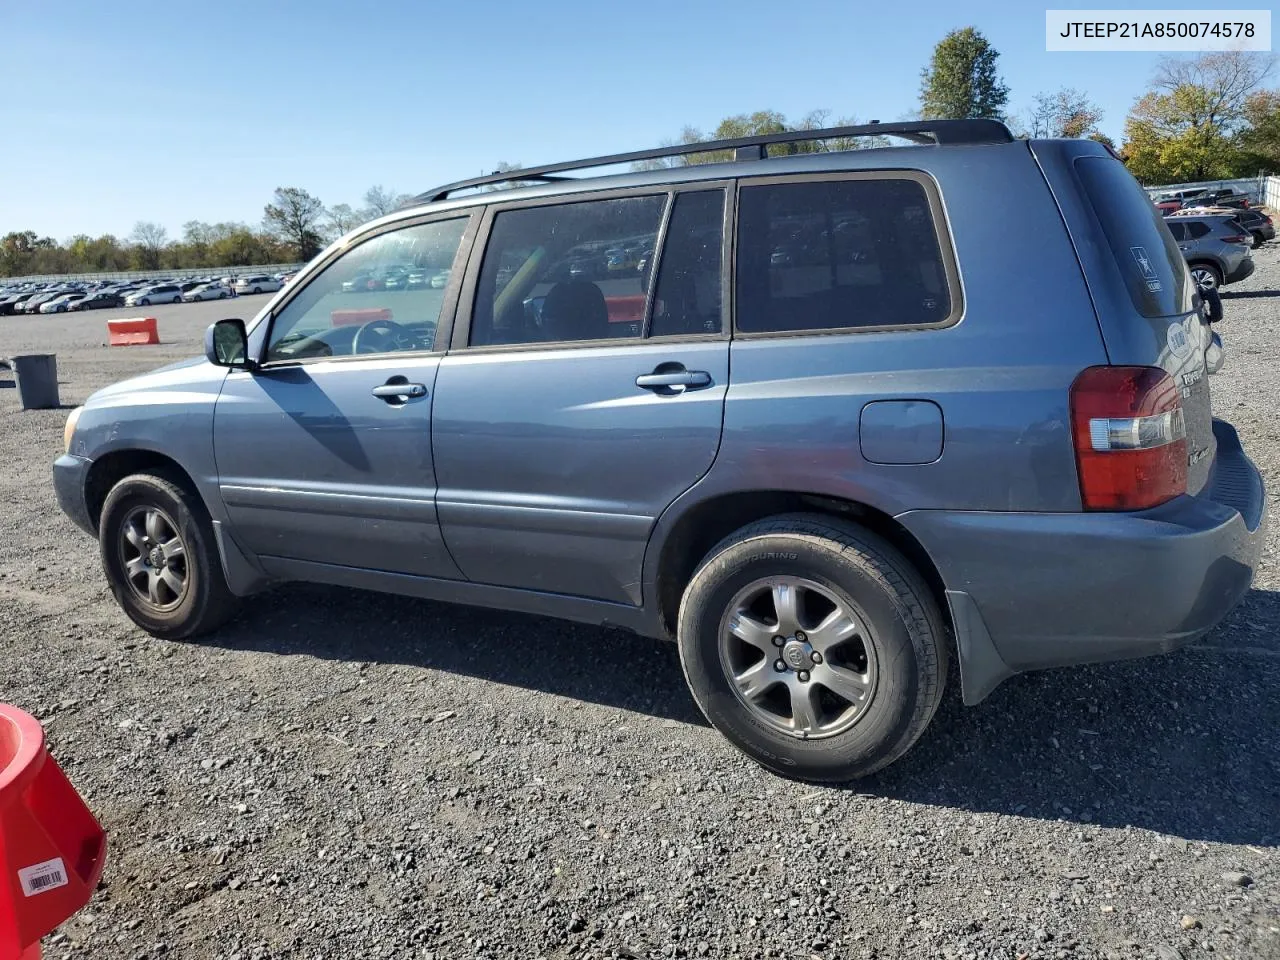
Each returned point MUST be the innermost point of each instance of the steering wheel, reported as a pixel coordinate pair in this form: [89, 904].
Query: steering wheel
[390, 336]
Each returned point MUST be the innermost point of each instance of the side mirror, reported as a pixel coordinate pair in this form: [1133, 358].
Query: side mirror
[226, 344]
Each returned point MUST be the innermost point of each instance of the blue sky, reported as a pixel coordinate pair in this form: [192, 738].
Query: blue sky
[183, 110]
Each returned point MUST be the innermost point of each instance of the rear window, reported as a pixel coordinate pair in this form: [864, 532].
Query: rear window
[837, 255]
[1145, 252]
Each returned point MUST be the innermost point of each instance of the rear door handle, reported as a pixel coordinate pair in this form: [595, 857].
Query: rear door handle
[399, 391]
[680, 378]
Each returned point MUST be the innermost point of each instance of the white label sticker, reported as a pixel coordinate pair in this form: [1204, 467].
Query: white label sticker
[43, 877]
[1179, 344]
[1147, 268]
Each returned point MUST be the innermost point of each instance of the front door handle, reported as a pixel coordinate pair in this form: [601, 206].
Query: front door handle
[676, 378]
[391, 392]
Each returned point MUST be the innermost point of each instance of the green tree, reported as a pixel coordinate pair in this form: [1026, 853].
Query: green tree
[961, 80]
[1259, 141]
[294, 218]
[1191, 124]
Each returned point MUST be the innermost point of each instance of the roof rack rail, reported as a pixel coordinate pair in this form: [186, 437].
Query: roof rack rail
[935, 132]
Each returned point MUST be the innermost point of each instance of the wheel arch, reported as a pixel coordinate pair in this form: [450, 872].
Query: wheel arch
[243, 573]
[681, 541]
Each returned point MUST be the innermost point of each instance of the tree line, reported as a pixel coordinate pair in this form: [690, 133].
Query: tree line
[1207, 117]
[295, 227]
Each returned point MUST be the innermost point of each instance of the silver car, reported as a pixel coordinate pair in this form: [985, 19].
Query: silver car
[937, 437]
[1216, 248]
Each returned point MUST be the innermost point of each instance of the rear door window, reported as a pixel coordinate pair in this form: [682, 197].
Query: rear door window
[1142, 245]
[568, 272]
[1198, 230]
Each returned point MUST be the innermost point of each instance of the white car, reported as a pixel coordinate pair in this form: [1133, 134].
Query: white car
[258, 283]
[206, 291]
[62, 304]
[161, 293]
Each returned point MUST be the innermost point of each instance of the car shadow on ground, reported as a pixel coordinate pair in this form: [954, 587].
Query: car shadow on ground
[1248, 294]
[1183, 744]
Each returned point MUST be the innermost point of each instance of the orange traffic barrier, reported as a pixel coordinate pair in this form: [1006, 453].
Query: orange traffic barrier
[52, 849]
[132, 331]
[342, 318]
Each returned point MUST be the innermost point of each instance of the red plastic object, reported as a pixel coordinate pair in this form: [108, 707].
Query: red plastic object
[341, 318]
[132, 331]
[52, 849]
[626, 309]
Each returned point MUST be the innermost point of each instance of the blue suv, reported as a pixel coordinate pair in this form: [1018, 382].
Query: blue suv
[925, 433]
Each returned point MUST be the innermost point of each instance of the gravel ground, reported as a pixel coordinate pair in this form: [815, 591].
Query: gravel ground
[344, 774]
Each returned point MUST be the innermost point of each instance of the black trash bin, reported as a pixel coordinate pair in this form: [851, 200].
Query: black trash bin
[37, 376]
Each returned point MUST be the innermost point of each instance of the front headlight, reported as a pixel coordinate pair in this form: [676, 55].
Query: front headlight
[69, 430]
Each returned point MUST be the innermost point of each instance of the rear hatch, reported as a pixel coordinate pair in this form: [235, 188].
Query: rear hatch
[1146, 302]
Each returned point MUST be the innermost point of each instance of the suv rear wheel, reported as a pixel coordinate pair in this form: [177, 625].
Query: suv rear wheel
[1206, 275]
[814, 646]
[160, 558]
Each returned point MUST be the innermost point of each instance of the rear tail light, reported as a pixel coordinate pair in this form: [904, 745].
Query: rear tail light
[1130, 437]
[1236, 238]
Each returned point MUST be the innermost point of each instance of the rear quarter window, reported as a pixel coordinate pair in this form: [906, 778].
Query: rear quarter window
[1145, 252]
[841, 254]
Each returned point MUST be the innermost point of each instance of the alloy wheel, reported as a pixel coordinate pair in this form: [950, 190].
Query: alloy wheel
[799, 658]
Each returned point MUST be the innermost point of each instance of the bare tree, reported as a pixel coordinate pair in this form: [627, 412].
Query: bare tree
[1064, 113]
[340, 219]
[1222, 81]
[379, 201]
[150, 238]
[295, 218]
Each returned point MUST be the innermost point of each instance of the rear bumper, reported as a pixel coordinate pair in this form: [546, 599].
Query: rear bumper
[69, 474]
[1245, 269]
[1031, 591]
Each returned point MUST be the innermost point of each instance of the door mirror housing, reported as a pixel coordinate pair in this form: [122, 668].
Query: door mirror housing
[226, 344]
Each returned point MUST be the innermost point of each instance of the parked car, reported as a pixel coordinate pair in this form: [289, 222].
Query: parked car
[14, 303]
[1220, 198]
[160, 293]
[1256, 223]
[258, 283]
[99, 300]
[789, 469]
[62, 303]
[1216, 249]
[33, 304]
[206, 291]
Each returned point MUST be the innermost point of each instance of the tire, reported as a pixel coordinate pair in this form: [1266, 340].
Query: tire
[1206, 275]
[177, 299]
[204, 601]
[1258, 239]
[144, 303]
[897, 647]
[257, 289]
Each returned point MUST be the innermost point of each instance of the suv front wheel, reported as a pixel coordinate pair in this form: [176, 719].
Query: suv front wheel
[814, 646]
[160, 558]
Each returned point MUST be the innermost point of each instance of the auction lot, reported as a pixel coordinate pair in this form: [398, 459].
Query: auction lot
[345, 774]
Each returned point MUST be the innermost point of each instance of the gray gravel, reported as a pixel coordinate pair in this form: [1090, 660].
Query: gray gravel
[343, 774]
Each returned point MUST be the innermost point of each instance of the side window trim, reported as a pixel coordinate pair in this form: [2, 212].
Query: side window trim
[941, 229]
[448, 305]
[655, 264]
[464, 312]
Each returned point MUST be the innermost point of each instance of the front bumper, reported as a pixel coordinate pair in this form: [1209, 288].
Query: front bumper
[69, 475]
[1028, 591]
